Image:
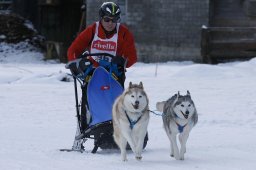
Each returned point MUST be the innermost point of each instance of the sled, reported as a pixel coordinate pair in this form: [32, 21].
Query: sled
[101, 83]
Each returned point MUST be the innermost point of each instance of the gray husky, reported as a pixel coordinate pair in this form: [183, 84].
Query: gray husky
[179, 117]
[130, 119]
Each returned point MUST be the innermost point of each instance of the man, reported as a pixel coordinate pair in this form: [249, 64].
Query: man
[106, 36]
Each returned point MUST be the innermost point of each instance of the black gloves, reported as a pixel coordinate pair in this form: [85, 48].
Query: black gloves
[119, 61]
[78, 66]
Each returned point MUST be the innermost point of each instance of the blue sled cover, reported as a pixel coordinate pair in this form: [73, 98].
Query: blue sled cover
[102, 91]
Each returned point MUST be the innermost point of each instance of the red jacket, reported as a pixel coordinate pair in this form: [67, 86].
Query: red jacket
[125, 43]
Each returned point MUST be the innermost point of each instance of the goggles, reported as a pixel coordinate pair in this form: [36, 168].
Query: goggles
[114, 20]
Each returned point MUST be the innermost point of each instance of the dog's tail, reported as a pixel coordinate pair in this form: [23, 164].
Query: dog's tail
[160, 106]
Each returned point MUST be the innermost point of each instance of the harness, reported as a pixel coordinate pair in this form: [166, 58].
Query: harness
[132, 123]
[180, 128]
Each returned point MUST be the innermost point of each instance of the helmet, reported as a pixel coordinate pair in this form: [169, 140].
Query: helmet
[110, 9]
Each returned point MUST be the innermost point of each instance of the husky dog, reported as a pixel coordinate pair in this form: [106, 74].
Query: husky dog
[130, 119]
[179, 117]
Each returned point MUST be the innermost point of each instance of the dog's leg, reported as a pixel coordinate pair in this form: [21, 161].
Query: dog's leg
[139, 147]
[181, 140]
[127, 135]
[123, 143]
[183, 137]
[139, 141]
[171, 144]
[174, 149]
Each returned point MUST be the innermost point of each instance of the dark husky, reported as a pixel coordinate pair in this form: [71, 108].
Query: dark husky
[179, 117]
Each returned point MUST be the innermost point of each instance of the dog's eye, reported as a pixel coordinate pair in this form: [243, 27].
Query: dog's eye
[182, 105]
[140, 96]
[189, 105]
[132, 96]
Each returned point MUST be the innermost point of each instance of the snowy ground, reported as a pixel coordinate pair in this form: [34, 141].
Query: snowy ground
[37, 116]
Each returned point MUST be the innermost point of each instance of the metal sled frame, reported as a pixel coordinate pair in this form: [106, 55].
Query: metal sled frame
[100, 132]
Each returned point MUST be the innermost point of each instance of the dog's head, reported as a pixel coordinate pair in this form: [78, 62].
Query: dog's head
[135, 98]
[183, 106]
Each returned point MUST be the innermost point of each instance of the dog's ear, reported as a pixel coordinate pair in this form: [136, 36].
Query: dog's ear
[130, 85]
[178, 94]
[176, 97]
[141, 85]
[188, 93]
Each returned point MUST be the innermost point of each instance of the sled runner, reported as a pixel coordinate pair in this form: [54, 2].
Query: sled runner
[101, 81]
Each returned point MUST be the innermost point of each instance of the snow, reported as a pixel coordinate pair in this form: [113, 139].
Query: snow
[37, 116]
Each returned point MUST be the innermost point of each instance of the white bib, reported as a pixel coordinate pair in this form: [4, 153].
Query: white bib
[99, 45]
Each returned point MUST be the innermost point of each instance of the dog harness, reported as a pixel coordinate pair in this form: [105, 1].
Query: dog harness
[132, 123]
[180, 128]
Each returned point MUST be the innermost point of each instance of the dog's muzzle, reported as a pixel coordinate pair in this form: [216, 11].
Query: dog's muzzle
[136, 105]
[186, 114]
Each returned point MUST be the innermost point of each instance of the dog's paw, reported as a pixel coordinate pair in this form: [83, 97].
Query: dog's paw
[177, 157]
[138, 158]
[124, 159]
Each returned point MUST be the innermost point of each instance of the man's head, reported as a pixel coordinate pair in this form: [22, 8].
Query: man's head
[109, 13]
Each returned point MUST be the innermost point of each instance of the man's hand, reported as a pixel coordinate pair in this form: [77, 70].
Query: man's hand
[120, 61]
[78, 66]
